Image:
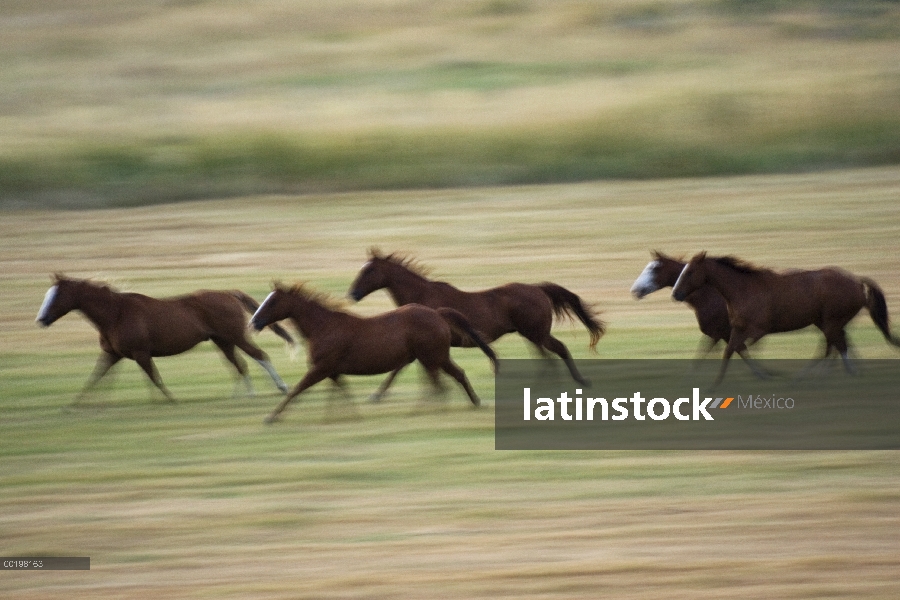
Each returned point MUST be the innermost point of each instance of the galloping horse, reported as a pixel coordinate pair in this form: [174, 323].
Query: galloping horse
[761, 301]
[514, 307]
[707, 303]
[344, 344]
[139, 327]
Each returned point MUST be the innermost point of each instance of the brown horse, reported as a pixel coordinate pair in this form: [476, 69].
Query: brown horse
[761, 301]
[139, 327]
[707, 303]
[340, 343]
[514, 307]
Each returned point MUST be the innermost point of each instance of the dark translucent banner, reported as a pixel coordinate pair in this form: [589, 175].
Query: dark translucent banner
[45, 563]
[671, 404]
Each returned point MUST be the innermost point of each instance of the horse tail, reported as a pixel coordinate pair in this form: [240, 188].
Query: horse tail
[251, 305]
[567, 304]
[456, 320]
[877, 306]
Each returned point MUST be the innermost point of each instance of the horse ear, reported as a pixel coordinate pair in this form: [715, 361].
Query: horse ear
[701, 255]
[57, 277]
[656, 254]
[374, 252]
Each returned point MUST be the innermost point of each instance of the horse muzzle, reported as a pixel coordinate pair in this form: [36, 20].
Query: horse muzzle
[355, 296]
[679, 295]
[256, 325]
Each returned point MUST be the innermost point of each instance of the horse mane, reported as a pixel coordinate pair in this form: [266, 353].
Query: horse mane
[303, 290]
[58, 277]
[739, 265]
[401, 260]
[659, 255]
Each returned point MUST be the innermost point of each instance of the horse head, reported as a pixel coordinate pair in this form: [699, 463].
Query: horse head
[660, 272]
[276, 307]
[692, 277]
[371, 277]
[59, 300]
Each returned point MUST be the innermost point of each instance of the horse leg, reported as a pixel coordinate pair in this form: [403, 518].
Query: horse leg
[816, 362]
[839, 341]
[146, 363]
[379, 393]
[239, 363]
[557, 347]
[105, 362]
[758, 371]
[707, 345]
[263, 360]
[736, 343]
[312, 377]
[434, 376]
[453, 370]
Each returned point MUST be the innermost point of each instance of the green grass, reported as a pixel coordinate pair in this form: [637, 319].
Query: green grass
[157, 171]
[408, 498]
[122, 104]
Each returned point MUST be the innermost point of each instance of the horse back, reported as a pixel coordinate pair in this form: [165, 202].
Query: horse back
[169, 326]
[487, 310]
[355, 345]
[409, 325]
[523, 305]
[841, 292]
[508, 308]
[814, 297]
[215, 309]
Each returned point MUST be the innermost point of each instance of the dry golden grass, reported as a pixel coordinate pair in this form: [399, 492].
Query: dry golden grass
[408, 499]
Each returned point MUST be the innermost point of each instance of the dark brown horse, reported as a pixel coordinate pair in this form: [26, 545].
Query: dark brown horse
[707, 303]
[340, 343]
[761, 301]
[514, 307]
[139, 327]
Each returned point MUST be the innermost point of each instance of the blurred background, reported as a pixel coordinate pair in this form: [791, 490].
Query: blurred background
[106, 102]
[296, 134]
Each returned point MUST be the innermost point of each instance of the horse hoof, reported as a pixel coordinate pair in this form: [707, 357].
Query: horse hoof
[375, 398]
[270, 419]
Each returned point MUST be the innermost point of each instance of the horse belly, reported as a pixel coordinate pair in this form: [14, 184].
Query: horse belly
[177, 334]
[785, 321]
[373, 359]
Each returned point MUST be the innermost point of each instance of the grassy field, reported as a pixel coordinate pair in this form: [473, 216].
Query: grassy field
[408, 499]
[114, 103]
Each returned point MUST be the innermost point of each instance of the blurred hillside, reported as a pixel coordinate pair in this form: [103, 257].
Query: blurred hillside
[113, 102]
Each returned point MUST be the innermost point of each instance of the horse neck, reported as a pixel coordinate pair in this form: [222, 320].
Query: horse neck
[311, 317]
[100, 305]
[733, 285]
[405, 286]
[673, 270]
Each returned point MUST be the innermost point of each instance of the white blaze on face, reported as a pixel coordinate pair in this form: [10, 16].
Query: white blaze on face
[49, 297]
[680, 277]
[261, 305]
[646, 281]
